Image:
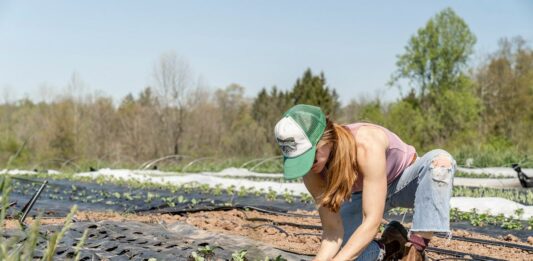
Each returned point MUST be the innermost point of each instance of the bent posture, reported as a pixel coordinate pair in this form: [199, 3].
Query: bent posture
[355, 172]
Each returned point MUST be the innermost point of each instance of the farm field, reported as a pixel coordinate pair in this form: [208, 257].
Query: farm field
[139, 214]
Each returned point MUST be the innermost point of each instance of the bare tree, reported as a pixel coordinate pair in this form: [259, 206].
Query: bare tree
[173, 80]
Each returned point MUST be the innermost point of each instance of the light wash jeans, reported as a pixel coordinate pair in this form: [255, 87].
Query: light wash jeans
[426, 186]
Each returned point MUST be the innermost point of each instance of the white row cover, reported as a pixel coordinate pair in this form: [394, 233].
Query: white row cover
[244, 173]
[487, 183]
[26, 172]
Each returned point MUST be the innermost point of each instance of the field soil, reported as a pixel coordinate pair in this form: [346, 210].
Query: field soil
[289, 233]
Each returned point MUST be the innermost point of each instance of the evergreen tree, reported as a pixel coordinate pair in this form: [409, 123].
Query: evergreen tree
[312, 89]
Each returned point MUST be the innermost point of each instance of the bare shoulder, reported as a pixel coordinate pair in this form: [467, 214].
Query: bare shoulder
[371, 137]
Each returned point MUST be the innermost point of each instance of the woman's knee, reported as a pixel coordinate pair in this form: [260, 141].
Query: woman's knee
[442, 167]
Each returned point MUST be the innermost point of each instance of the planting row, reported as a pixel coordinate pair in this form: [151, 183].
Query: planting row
[132, 196]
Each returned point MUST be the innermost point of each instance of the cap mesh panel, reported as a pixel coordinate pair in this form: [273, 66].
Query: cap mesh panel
[311, 119]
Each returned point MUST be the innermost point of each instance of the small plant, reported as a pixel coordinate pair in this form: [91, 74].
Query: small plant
[217, 191]
[194, 202]
[306, 198]
[203, 253]
[182, 199]
[230, 190]
[149, 197]
[204, 188]
[196, 257]
[239, 255]
[170, 201]
[519, 212]
[271, 195]
[242, 191]
[289, 198]
[127, 196]
[259, 192]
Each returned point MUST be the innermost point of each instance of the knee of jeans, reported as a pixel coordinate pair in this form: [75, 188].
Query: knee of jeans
[443, 169]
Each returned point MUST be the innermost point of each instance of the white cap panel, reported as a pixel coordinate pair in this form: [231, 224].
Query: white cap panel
[291, 138]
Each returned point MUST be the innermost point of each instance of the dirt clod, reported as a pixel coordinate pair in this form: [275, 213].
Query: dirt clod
[511, 238]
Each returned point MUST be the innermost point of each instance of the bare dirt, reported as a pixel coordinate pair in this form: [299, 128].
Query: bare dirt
[279, 231]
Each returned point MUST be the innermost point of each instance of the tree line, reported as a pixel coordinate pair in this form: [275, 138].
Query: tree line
[483, 111]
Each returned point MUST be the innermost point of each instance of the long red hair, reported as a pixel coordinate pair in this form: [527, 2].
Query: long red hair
[340, 170]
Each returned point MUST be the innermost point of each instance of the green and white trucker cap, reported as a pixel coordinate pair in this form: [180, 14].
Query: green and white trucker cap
[297, 134]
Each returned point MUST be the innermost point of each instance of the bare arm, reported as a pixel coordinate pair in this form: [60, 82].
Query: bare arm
[332, 230]
[371, 147]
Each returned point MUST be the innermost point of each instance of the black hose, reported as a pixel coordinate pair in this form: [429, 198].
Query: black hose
[462, 254]
[268, 225]
[216, 208]
[285, 223]
[489, 242]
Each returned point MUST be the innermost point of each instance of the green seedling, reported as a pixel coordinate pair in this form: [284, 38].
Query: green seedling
[239, 255]
[242, 191]
[205, 253]
[204, 188]
[127, 196]
[289, 198]
[217, 191]
[230, 190]
[271, 195]
[196, 257]
[305, 198]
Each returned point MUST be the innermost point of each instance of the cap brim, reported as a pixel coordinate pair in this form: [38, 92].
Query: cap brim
[299, 166]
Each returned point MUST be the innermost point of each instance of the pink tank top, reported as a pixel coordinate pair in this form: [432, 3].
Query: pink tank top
[398, 155]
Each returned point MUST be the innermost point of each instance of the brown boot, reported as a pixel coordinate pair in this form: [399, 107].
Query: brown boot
[394, 238]
[412, 254]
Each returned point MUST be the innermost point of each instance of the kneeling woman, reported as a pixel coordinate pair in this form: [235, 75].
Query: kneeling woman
[357, 171]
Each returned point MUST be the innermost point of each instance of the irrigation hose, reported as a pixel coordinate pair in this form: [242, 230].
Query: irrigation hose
[462, 254]
[26, 209]
[489, 242]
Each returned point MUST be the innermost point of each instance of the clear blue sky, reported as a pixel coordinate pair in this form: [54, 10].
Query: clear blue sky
[113, 45]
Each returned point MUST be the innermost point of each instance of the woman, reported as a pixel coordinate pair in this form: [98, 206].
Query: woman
[355, 172]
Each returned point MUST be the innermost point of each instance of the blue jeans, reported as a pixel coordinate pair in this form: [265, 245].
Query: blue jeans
[426, 186]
